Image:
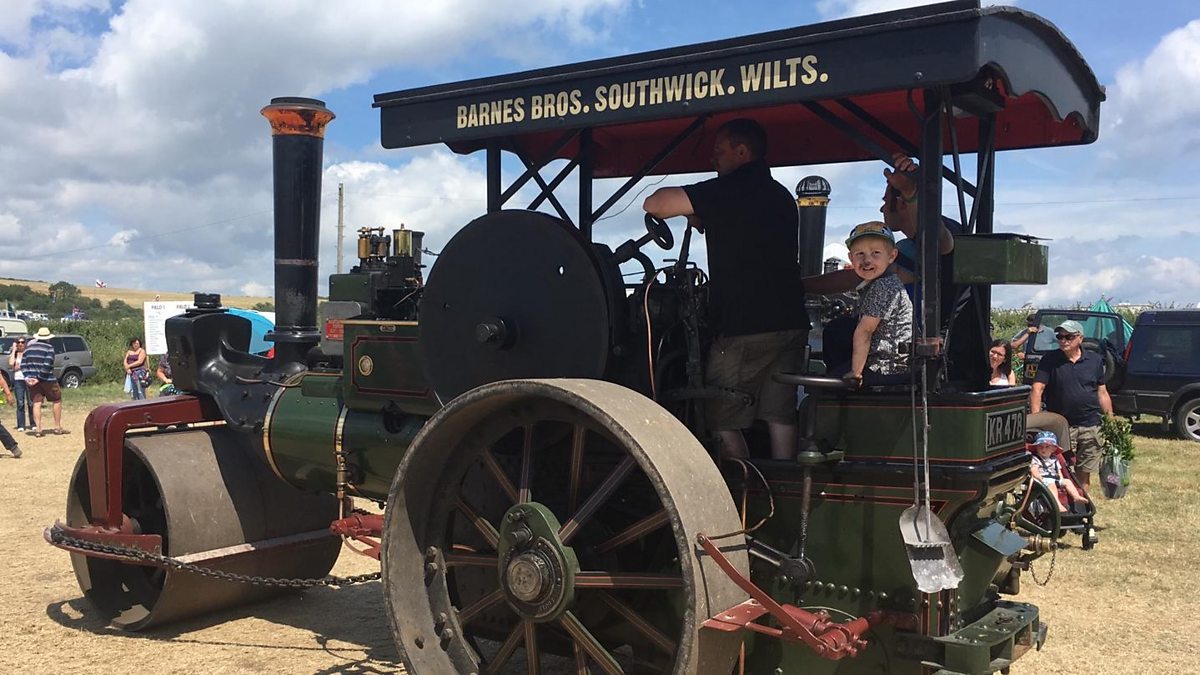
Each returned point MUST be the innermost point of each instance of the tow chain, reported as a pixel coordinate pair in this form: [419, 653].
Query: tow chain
[58, 537]
[1053, 557]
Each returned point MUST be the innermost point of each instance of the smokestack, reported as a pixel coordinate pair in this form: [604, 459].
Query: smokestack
[298, 137]
[812, 199]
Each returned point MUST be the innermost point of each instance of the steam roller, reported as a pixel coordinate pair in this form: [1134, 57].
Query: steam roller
[214, 504]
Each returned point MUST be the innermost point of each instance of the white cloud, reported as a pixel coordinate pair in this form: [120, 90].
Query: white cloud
[1152, 117]
[836, 9]
[144, 142]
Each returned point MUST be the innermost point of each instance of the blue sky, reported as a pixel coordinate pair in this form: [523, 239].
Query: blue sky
[133, 151]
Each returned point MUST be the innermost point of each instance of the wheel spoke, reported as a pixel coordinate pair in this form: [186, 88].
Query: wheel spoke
[635, 531]
[655, 636]
[532, 656]
[480, 606]
[602, 493]
[523, 494]
[584, 638]
[497, 472]
[485, 528]
[459, 559]
[576, 476]
[506, 649]
[581, 667]
[633, 581]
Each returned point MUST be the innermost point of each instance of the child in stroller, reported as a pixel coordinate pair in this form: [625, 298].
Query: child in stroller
[1047, 465]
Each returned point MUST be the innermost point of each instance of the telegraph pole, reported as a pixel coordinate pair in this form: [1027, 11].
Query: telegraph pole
[341, 223]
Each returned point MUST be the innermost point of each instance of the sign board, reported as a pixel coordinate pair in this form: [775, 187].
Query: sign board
[155, 315]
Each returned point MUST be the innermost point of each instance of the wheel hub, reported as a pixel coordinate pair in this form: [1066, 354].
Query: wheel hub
[529, 577]
[537, 572]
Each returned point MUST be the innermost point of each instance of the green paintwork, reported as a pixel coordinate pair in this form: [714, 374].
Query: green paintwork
[881, 426]
[854, 538]
[355, 287]
[544, 526]
[999, 259]
[383, 368]
[302, 441]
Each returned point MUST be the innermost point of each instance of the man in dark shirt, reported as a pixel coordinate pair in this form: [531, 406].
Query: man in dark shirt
[756, 292]
[1070, 382]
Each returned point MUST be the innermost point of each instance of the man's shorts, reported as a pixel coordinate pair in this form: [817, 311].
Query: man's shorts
[745, 363]
[1088, 448]
[44, 390]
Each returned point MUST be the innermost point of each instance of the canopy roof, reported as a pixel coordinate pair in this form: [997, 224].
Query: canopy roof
[993, 59]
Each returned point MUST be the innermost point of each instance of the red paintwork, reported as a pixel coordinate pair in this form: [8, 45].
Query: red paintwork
[104, 444]
[828, 639]
[97, 534]
[365, 528]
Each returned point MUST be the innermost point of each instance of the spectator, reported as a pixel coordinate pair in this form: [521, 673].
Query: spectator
[20, 391]
[1045, 466]
[10, 443]
[163, 372]
[1031, 329]
[38, 366]
[1070, 382]
[1000, 359]
[136, 373]
[750, 221]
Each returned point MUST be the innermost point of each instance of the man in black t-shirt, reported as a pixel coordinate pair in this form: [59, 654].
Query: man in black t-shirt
[1070, 382]
[756, 292]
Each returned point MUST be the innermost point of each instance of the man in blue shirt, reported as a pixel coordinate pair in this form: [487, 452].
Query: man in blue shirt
[38, 366]
[1070, 382]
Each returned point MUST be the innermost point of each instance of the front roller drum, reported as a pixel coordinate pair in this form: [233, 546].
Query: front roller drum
[540, 526]
[214, 504]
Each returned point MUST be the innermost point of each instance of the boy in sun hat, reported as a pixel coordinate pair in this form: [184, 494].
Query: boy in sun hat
[1044, 466]
[884, 310]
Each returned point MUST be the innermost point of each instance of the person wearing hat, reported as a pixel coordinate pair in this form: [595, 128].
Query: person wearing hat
[884, 310]
[1045, 466]
[1070, 382]
[38, 366]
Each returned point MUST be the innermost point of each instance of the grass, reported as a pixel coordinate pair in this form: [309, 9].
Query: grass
[135, 297]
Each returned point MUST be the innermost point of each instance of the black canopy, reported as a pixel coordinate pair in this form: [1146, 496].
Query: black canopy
[996, 58]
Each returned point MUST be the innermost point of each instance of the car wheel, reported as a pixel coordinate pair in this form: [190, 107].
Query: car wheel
[71, 379]
[1187, 420]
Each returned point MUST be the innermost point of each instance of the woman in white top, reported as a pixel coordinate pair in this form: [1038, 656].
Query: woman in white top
[20, 392]
[1000, 358]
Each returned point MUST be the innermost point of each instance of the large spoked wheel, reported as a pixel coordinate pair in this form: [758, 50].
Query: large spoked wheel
[550, 525]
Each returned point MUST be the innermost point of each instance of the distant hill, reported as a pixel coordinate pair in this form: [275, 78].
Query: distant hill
[136, 297]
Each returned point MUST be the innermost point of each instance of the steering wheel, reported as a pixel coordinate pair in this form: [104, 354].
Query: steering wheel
[660, 232]
[1041, 514]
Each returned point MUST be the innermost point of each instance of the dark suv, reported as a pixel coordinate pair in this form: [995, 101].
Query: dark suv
[1162, 370]
[1103, 333]
[72, 358]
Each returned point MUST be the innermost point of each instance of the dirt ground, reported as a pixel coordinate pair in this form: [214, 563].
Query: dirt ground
[1119, 609]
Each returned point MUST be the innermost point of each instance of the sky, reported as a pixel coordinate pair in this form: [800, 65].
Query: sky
[132, 150]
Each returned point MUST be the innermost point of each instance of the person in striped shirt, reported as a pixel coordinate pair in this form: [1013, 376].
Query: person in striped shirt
[38, 366]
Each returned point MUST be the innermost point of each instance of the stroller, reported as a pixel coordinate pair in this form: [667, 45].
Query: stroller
[1041, 512]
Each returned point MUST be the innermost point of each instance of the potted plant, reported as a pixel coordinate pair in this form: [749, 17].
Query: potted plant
[1115, 466]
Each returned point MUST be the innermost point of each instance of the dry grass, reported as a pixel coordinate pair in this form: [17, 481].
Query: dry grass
[135, 297]
[1124, 606]
[1121, 608]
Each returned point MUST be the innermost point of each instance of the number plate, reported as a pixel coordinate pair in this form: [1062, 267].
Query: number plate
[1005, 428]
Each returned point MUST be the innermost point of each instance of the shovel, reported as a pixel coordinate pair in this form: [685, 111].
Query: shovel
[934, 561]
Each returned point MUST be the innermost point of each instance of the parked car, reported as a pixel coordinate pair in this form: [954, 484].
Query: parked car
[72, 360]
[1162, 370]
[1102, 332]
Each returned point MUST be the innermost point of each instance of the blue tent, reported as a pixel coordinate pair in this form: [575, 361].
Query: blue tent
[259, 327]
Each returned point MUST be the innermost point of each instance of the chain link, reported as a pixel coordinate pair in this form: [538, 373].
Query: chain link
[59, 538]
[1053, 557]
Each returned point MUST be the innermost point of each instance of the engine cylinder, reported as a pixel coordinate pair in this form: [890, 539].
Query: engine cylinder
[308, 425]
